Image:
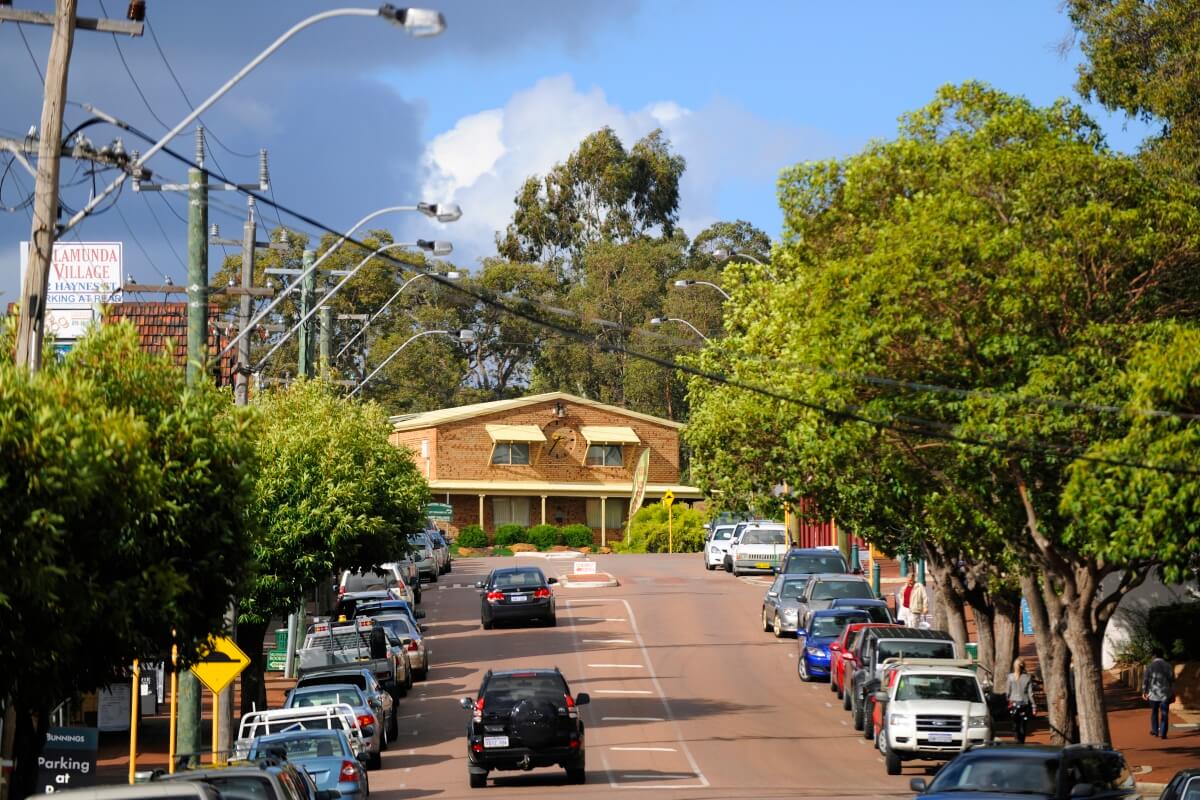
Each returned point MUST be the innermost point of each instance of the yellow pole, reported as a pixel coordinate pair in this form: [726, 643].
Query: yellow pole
[216, 715]
[787, 514]
[174, 707]
[135, 702]
[670, 530]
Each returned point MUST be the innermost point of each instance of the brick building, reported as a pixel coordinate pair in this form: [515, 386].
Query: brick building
[160, 324]
[550, 458]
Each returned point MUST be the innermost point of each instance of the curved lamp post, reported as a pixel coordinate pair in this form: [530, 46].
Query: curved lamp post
[437, 248]
[452, 275]
[685, 283]
[464, 335]
[445, 212]
[727, 253]
[660, 320]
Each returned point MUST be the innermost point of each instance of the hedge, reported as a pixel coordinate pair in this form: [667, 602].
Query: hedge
[511, 533]
[578, 535]
[544, 536]
[472, 536]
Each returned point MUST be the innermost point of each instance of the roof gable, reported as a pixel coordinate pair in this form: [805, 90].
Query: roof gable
[431, 419]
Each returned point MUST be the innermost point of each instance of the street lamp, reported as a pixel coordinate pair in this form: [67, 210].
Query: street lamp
[452, 275]
[464, 335]
[444, 212]
[685, 283]
[726, 253]
[660, 320]
[418, 22]
[437, 248]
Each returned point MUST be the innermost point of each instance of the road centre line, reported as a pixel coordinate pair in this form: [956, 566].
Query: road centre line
[613, 783]
[621, 691]
[600, 619]
[616, 666]
[607, 641]
[632, 719]
[645, 749]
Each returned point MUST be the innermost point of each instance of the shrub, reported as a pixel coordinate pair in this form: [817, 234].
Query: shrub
[472, 536]
[510, 533]
[544, 536]
[648, 531]
[577, 535]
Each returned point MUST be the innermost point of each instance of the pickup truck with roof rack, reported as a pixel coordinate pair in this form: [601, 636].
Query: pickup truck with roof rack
[329, 647]
[877, 645]
[339, 716]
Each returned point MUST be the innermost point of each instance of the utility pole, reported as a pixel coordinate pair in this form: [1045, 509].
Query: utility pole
[45, 205]
[241, 386]
[325, 315]
[308, 291]
[197, 283]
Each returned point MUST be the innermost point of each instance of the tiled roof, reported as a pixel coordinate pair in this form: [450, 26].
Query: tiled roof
[429, 419]
[156, 323]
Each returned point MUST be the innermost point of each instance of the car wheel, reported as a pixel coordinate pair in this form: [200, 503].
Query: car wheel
[433, 578]
[708, 566]
[891, 760]
[478, 780]
[778, 627]
[393, 729]
[401, 691]
[868, 728]
[858, 715]
[449, 567]
[552, 621]
[845, 693]
[422, 673]
[375, 761]
[802, 668]
[727, 564]
[832, 685]
[408, 683]
[766, 624]
[486, 623]
[576, 775]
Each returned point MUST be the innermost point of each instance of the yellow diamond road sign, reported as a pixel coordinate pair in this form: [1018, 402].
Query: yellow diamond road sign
[668, 498]
[221, 661]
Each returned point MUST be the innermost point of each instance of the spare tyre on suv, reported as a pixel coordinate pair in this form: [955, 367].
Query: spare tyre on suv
[523, 719]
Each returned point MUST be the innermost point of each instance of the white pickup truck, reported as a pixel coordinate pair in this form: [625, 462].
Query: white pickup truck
[932, 709]
[760, 548]
[332, 717]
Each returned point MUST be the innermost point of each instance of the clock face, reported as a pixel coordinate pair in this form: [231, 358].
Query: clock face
[561, 440]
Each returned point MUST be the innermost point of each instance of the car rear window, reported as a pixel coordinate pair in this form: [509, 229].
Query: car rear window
[915, 648]
[242, 787]
[793, 589]
[398, 626]
[369, 581]
[829, 590]
[318, 745]
[764, 537]
[507, 579]
[326, 697]
[514, 688]
[723, 534]
[813, 563]
[352, 678]
[998, 773]
[832, 626]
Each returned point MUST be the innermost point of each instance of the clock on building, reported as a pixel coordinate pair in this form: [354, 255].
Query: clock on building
[561, 440]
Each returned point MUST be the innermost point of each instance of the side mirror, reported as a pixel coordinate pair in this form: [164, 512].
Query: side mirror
[880, 697]
[917, 784]
[551, 580]
[466, 703]
[582, 699]
[478, 584]
[362, 758]
[419, 614]
[772, 594]
[1083, 790]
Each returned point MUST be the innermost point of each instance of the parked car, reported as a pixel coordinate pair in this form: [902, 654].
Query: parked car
[325, 755]
[738, 529]
[386, 577]
[1185, 785]
[377, 608]
[781, 603]
[347, 604]
[374, 715]
[813, 561]
[143, 791]
[845, 665]
[412, 576]
[759, 549]
[354, 675]
[516, 593]
[267, 779]
[441, 549]
[823, 589]
[815, 637]
[876, 608]
[409, 632]
[522, 719]
[330, 647]
[1036, 772]
[877, 645]
[717, 546]
[423, 555]
[929, 712]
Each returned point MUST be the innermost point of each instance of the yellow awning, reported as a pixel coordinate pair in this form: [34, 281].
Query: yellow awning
[515, 433]
[609, 434]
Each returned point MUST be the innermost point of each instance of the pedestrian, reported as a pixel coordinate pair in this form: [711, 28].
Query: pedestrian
[905, 596]
[1158, 686]
[918, 604]
[1020, 698]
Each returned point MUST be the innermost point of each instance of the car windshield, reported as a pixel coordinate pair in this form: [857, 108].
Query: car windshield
[242, 787]
[524, 578]
[997, 773]
[509, 689]
[327, 697]
[938, 687]
[829, 590]
[764, 536]
[369, 581]
[723, 534]
[315, 746]
[814, 563]
[923, 648]
[793, 589]
[832, 626]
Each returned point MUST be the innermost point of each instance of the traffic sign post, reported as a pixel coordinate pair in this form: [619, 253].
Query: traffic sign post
[221, 661]
[668, 499]
[439, 511]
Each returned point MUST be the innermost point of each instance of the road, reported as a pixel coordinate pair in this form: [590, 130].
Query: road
[690, 699]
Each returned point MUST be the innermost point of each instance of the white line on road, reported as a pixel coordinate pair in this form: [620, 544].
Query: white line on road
[632, 719]
[607, 641]
[600, 619]
[409, 716]
[829, 705]
[645, 749]
[621, 691]
[616, 666]
[651, 776]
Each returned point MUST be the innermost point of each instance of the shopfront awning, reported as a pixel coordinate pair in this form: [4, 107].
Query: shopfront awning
[515, 433]
[609, 434]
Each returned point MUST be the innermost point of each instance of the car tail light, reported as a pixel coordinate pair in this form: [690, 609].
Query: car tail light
[542, 593]
[341, 590]
[365, 719]
[412, 646]
[478, 748]
[478, 715]
[495, 596]
[572, 712]
[348, 771]
[574, 744]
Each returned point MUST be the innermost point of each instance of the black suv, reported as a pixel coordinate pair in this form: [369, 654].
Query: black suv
[1033, 771]
[523, 719]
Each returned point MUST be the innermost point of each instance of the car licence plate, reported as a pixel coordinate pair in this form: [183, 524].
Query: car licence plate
[941, 737]
[518, 598]
[762, 565]
[495, 741]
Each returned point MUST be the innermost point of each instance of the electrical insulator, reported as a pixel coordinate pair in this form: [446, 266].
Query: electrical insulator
[137, 11]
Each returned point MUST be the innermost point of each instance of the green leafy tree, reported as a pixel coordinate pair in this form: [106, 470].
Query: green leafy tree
[649, 531]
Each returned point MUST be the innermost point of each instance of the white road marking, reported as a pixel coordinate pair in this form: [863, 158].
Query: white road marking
[616, 666]
[667, 775]
[410, 716]
[829, 705]
[645, 749]
[621, 691]
[607, 641]
[843, 722]
[632, 719]
[601, 619]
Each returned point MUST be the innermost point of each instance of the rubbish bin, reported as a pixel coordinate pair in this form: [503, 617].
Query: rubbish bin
[973, 651]
[281, 638]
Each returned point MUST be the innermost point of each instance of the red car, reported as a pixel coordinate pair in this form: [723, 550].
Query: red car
[841, 656]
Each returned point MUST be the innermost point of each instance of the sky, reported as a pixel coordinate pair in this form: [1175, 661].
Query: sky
[357, 115]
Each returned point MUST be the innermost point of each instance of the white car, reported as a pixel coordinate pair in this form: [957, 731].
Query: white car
[717, 546]
[930, 713]
[760, 548]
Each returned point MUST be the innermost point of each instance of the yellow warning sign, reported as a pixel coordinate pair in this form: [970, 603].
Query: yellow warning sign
[221, 660]
[668, 498]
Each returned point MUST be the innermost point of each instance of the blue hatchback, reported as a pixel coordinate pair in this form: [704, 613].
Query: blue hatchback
[324, 754]
[823, 628]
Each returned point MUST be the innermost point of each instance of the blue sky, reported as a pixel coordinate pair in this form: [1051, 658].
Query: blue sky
[357, 116]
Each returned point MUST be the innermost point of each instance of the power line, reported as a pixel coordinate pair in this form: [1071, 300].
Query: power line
[138, 242]
[37, 68]
[163, 231]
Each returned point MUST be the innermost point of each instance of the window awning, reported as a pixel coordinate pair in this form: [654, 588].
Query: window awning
[609, 434]
[515, 433]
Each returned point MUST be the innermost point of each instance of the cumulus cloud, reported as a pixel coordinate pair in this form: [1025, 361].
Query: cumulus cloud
[482, 161]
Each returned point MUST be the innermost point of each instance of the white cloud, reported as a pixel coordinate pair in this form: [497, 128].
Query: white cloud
[482, 161]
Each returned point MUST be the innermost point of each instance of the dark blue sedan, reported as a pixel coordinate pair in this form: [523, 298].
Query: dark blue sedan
[325, 755]
[824, 626]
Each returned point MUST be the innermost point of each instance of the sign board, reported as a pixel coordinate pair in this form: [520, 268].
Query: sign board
[1026, 619]
[585, 568]
[221, 661]
[442, 511]
[112, 708]
[276, 660]
[68, 759]
[668, 498]
[82, 274]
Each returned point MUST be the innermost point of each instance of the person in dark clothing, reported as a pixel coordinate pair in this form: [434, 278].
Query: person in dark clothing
[1020, 698]
[1158, 686]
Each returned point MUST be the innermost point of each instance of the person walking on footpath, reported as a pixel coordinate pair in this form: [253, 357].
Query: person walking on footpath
[903, 597]
[1158, 687]
[1020, 698]
[918, 604]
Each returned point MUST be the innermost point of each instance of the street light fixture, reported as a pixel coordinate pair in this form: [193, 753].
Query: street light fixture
[685, 283]
[727, 253]
[442, 212]
[657, 321]
[464, 335]
[452, 275]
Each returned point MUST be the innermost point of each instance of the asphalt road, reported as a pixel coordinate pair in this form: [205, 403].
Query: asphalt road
[690, 699]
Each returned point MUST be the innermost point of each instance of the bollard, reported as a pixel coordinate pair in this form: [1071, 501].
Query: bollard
[854, 563]
[903, 564]
[921, 572]
[875, 581]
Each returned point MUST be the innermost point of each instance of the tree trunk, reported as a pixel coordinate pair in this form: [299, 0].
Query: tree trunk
[254, 685]
[1005, 635]
[1053, 656]
[27, 745]
[1089, 677]
[984, 614]
[947, 597]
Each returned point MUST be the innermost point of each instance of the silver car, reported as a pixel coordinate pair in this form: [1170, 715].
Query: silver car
[380, 720]
[418, 655]
[441, 550]
[423, 554]
[781, 604]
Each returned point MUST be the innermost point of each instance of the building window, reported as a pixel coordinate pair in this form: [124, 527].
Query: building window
[614, 512]
[511, 453]
[604, 455]
[510, 510]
